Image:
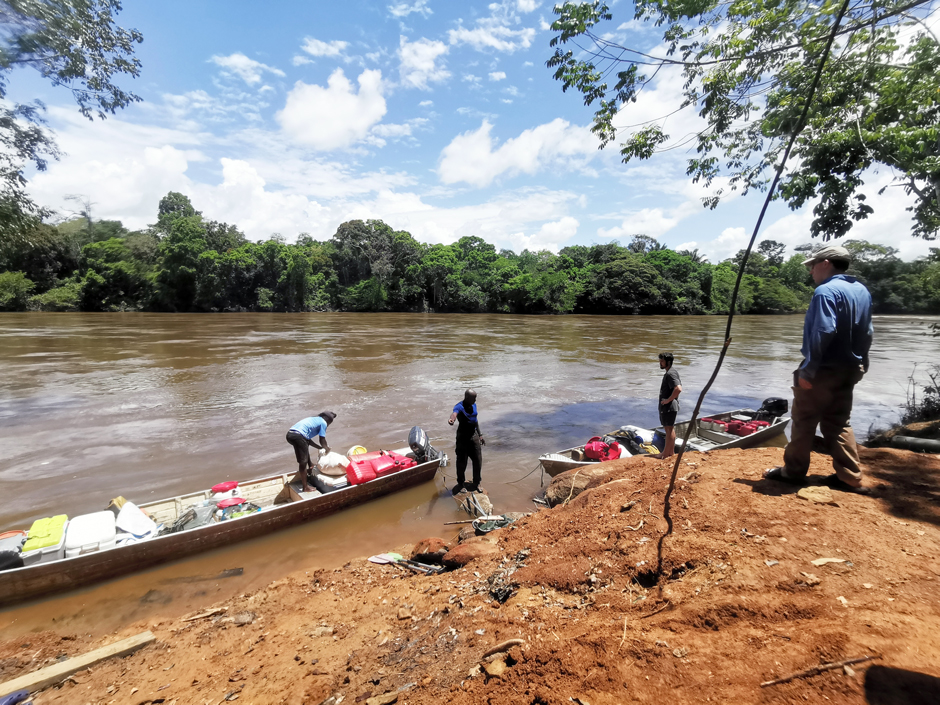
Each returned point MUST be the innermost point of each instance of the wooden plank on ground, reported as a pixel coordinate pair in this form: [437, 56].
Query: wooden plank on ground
[53, 674]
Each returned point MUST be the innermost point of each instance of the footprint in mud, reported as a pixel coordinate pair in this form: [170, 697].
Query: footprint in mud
[155, 597]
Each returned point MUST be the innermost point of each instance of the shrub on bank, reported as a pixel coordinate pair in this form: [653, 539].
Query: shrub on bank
[927, 408]
[15, 288]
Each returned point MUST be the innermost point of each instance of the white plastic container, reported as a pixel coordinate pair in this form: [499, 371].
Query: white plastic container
[325, 483]
[89, 533]
[49, 553]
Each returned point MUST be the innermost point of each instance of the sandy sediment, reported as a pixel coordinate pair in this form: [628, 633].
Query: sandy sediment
[587, 603]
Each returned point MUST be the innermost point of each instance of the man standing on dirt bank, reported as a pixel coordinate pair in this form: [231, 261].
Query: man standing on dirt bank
[469, 441]
[837, 335]
[669, 392]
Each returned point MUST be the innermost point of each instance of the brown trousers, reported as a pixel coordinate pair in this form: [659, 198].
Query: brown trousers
[827, 405]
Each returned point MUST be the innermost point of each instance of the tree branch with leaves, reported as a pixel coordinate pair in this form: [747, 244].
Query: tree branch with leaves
[745, 66]
[74, 44]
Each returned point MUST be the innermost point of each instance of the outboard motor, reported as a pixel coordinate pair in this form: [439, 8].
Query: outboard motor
[421, 445]
[772, 408]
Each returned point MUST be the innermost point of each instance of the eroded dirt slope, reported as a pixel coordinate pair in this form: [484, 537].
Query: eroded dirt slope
[741, 603]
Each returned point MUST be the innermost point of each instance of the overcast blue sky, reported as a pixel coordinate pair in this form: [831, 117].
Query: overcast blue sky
[440, 118]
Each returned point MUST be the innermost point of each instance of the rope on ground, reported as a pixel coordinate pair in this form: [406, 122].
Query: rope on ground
[800, 126]
[573, 478]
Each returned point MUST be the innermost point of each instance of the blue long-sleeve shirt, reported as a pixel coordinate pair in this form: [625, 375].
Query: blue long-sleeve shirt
[837, 332]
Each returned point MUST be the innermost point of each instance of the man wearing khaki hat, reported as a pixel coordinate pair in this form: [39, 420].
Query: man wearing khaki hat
[837, 335]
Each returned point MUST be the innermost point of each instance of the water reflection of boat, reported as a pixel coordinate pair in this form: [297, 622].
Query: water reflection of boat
[281, 505]
[708, 433]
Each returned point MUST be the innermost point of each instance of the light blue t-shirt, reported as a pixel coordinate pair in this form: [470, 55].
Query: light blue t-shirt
[311, 427]
[837, 332]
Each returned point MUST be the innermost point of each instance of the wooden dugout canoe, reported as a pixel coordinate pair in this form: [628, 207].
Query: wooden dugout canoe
[281, 507]
[702, 439]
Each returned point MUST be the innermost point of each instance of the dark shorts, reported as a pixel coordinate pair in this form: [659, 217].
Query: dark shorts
[301, 447]
[667, 417]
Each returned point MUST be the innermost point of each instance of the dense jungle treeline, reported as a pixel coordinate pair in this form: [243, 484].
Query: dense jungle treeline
[185, 262]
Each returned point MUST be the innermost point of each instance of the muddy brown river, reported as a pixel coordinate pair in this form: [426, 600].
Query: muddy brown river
[149, 405]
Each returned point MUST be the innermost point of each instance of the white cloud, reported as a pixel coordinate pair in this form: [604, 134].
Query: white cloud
[500, 38]
[471, 157]
[403, 9]
[549, 237]
[426, 103]
[246, 69]
[727, 244]
[660, 103]
[125, 169]
[391, 130]
[637, 26]
[470, 78]
[395, 131]
[335, 116]
[316, 47]
[207, 106]
[659, 220]
[243, 199]
[502, 221]
[497, 75]
[889, 225]
[654, 222]
[301, 60]
[419, 63]
[496, 32]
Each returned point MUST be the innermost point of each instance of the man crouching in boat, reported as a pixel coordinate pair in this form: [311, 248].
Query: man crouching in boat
[309, 432]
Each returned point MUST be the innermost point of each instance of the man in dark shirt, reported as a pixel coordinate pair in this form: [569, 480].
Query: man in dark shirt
[469, 441]
[837, 336]
[669, 392]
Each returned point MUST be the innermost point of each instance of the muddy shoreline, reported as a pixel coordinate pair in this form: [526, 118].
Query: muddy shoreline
[570, 600]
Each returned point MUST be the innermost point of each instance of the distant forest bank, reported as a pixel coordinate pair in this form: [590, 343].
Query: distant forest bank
[186, 263]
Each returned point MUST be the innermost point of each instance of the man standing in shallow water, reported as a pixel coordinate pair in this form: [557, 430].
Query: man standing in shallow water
[669, 392]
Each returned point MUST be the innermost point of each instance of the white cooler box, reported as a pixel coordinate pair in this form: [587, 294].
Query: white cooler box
[89, 533]
[326, 483]
[46, 542]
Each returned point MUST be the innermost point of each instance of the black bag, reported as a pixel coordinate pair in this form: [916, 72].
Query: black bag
[10, 560]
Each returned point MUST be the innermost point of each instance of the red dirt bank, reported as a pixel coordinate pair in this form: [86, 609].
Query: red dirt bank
[742, 604]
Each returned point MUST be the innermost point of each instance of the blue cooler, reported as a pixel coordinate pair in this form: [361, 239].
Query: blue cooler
[659, 440]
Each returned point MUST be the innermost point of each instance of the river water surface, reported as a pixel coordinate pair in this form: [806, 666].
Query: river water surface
[150, 405]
